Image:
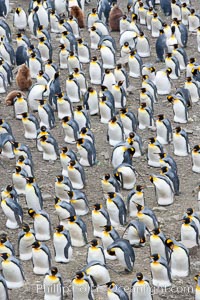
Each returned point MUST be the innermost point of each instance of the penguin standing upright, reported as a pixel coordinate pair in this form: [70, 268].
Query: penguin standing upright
[73, 89]
[115, 131]
[76, 175]
[62, 186]
[63, 210]
[180, 109]
[20, 106]
[124, 252]
[81, 287]
[62, 245]
[193, 88]
[79, 201]
[157, 243]
[95, 71]
[41, 224]
[189, 232]
[106, 110]
[12, 271]
[173, 63]
[65, 156]
[163, 130]
[116, 209]
[135, 196]
[100, 218]
[41, 258]
[140, 288]
[197, 293]
[91, 101]
[181, 142]
[53, 285]
[3, 288]
[31, 125]
[95, 252]
[64, 106]
[145, 116]
[179, 258]
[83, 51]
[196, 159]
[126, 175]
[162, 82]
[46, 114]
[25, 240]
[163, 188]
[87, 152]
[160, 270]
[147, 216]
[78, 231]
[116, 291]
[142, 45]
[134, 64]
[119, 94]
[70, 128]
[33, 194]
[49, 147]
[19, 180]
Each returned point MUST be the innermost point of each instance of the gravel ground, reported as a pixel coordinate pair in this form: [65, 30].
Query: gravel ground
[45, 172]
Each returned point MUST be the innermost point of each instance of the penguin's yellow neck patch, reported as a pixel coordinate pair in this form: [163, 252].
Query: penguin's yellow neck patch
[52, 277]
[105, 233]
[141, 282]
[28, 234]
[79, 281]
[58, 234]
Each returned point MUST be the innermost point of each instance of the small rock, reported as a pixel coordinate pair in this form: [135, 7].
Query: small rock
[159, 208]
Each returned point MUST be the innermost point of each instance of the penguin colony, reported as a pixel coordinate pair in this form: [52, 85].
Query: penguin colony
[52, 118]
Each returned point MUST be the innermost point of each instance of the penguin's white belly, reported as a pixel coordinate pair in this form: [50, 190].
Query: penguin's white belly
[164, 193]
[44, 51]
[100, 274]
[112, 296]
[188, 234]
[157, 246]
[72, 92]
[83, 54]
[127, 124]
[193, 90]
[153, 157]
[105, 113]
[35, 93]
[162, 83]
[133, 236]
[20, 21]
[197, 293]
[115, 134]
[143, 48]
[48, 151]
[34, 67]
[76, 235]
[31, 198]
[107, 58]
[19, 183]
[134, 67]
[161, 133]
[80, 291]
[30, 130]
[44, 120]
[93, 105]
[113, 213]
[155, 28]
[144, 120]
[170, 64]
[95, 74]
[63, 214]
[63, 60]
[7, 150]
[60, 243]
[198, 41]
[76, 179]
[42, 231]
[52, 289]
[109, 81]
[43, 17]
[80, 119]
[119, 101]
[95, 254]
[69, 134]
[98, 222]
[196, 162]
[147, 221]
[193, 23]
[179, 263]
[94, 38]
[64, 109]
[2, 88]
[181, 60]
[84, 157]
[20, 107]
[3, 292]
[128, 36]
[129, 178]
[160, 275]
[11, 221]
[40, 262]
[120, 256]
[180, 147]
[179, 112]
[12, 275]
[80, 207]
[25, 246]
[117, 157]
[61, 191]
[141, 291]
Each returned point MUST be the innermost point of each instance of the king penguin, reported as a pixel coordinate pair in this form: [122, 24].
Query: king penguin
[95, 252]
[181, 142]
[115, 291]
[78, 231]
[53, 285]
[116, 209]
[140, 288]
[41, 224]
[164, 189]
[26, 238]
[100, 218]
[33, 194]
[62, 245]
[160, 270]
[41, 258]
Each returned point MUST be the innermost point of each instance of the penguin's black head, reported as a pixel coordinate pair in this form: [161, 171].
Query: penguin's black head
[4, 256]
[123, 110]
[164, 170]
[156, 231]
[9, 188]
[24, 115]
[176, 46]
[139, 207]
[107, 228]
[107, 71]
[162, 155]
[131, 151]
[119, 66]
[1, 121]
[61, 46]
[110, 284]
[3, 238]
[33, 54]
[65, 119]
[141, 4]
[97, 206]
[80, 41]
[192, 60]
[170, 98]
[80, 141]
[36, 9]
[142, 33]
[139, 276]
[71, 218]
[41, 73]
[79, 107]
[18, 9]
[111, 195]
[61, 21]
[173, 28]
[168, 55]
[90, 89]
[56, 200]
[134, 17]
[143, 105]
[107, 176]
[59, 228]
[43, 138]
[94, 10]
[59, 178]
[131, 135]
[151, 178]
[70, 17]
[83, 130]
[184, 4]
[124, 17]
[126, 44]
[93, 28]
[49, 61]
[168, 71]
[143, 90]
[21, 158]
[79, 275]
[54, 271]
[120, 83]
[194, 71]
[64, 149]
[15, 144]
[160, 117]
[30, 179]
[43, 128]
[196, 148]
[94, 58]
[103, 98]
[155, 15]
[40, 27]
[169, 243]
[94, 242]
[72, 163]
[152, 140]
[178, 129]
[18, 169]
[192, 11]
[18, 35]
[139, 188]
[36, 245]
[70, 194]
[129, 7]
[31, 213]
[188, 79]
[25, 227]
[150, 8]
[186, 220]
[161, 31]
[155, 256]
[113, 119]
